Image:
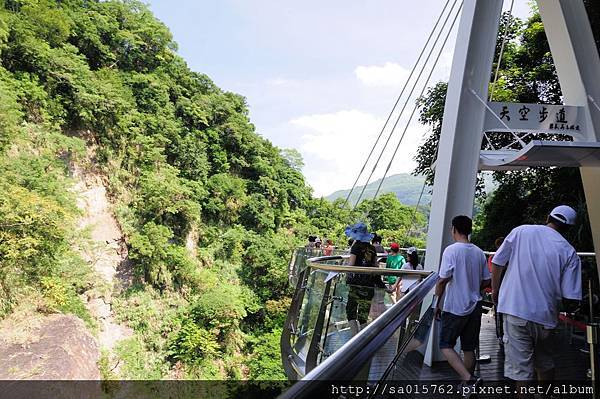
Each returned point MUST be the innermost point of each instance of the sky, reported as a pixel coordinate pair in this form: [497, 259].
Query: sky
[318, 76]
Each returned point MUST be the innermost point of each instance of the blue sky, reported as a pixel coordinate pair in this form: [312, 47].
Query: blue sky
[319, 76]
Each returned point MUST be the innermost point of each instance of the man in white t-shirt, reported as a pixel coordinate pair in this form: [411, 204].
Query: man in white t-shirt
[543, 268]
[463, 274]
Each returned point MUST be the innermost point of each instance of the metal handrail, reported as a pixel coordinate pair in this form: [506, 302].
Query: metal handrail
[315, 263]
[346, 362]
[580, 254]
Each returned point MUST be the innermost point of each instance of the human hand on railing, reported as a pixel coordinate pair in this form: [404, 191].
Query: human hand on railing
[437, 313]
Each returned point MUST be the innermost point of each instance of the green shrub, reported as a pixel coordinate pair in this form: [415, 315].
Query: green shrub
[264, 362]
[227, 196]
[64, 299]
[108, 376]
[151, 315]
[37, 220]
[161, 262]
[164, 198]
[192, 344]
[221, 307]
[139, 363]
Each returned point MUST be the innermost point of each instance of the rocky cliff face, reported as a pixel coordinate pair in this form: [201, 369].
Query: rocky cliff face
[106, 251]
[55, 347]
[34, 346]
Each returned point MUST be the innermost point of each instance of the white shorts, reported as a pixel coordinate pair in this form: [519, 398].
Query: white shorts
[527, 347]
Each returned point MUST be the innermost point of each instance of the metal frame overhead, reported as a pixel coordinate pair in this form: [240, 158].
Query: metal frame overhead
[543, 153]
[577, 63]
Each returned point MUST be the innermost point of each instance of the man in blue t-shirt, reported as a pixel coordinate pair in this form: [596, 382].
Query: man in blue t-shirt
[463, 274]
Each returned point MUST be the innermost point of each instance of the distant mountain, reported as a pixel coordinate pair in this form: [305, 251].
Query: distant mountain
[406, 187]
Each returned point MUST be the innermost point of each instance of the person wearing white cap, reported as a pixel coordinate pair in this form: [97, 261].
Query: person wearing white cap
[543, 268]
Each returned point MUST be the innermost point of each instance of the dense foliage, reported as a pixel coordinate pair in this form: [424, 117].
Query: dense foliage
[210, 210]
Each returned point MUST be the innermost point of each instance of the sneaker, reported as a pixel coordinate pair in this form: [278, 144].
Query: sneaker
[469, 389]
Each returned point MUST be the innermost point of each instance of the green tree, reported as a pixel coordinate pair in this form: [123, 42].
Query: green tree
[203, 200]
[386, 212]
[161, 262]
[293, 158]
[264, 358]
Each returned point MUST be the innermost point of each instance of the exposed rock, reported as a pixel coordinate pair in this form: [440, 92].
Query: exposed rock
[112, 332]
[106, 252]
[99, 309]
[92, 199]
[191, 241]
[59, 347]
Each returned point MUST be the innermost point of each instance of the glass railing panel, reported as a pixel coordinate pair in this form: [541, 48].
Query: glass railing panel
[343, 322]
[370, 355]
[328, 312]
[336, 330]
[313, 297]
[351, 309]
[408, 363]
[400, 357]
[297, 265]
[385, 357]
[300, 255]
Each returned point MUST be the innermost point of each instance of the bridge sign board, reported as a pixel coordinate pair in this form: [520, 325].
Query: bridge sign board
[542, 118]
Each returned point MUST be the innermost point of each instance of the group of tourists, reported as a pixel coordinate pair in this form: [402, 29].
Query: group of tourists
[365, 250]
[315, 245]
[532, 271]
[395, 260]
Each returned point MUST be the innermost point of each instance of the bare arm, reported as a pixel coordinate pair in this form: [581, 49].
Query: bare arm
[440, 287]
[352, 260]
[496, 278]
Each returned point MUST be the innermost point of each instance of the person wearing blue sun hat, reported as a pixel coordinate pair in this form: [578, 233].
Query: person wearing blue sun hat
[362, 286]
[359, 232]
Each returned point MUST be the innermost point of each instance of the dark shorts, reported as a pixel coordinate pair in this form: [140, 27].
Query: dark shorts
[466, 327]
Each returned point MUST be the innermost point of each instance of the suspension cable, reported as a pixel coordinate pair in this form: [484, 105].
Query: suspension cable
[486, 105]
[413, 218]
[397, 101]
[424, 66]
[504, 37]
[416, 105]
[414, 214]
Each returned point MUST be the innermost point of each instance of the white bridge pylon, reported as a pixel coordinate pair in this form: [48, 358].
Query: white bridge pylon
[469, 118]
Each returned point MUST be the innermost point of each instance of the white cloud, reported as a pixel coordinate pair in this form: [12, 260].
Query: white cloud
[279, 82]
[345, 132]
[335, 146]
[387, 75]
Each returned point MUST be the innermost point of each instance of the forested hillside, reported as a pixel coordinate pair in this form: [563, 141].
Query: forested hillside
[209, 210]
[405, 186]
